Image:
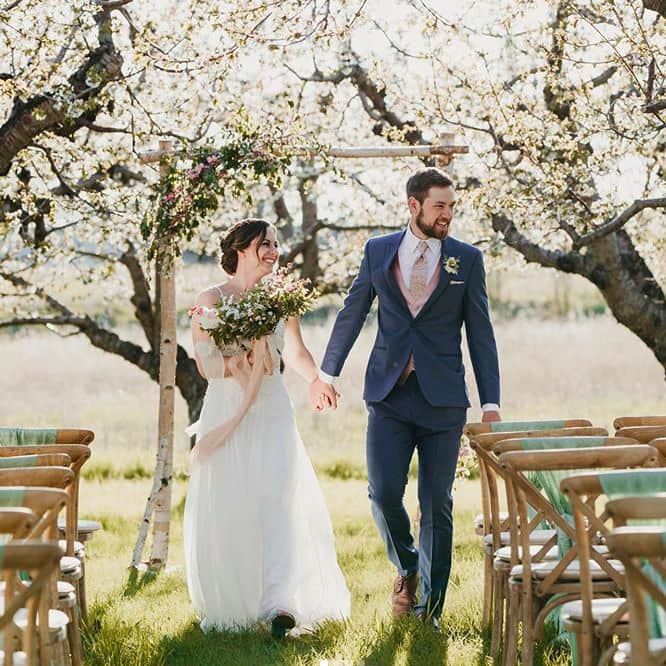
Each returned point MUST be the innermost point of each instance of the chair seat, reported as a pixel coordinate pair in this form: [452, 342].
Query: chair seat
[19, 658]
[504, 553]
[64, 588]
[79, 548]
[84, 524]
[478, 521]
[538, 537]
[540, 570]
[602, 609]
[623, 655]
[57, 621]
[70, 566]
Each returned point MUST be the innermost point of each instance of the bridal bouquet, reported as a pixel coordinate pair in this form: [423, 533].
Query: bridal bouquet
[235, 325]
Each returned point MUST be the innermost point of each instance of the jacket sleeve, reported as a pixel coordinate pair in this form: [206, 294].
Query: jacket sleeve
[350, 319]
[480, 335]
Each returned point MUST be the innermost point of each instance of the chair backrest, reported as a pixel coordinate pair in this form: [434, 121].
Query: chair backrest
[10, 436]
[643, 433]
[491, 474]
[49, 477]
[35, 460]
[472, 429]
[646, 508]
[40, 560]
[46, 503]
[545, 443]
[553, 506]
[624, 421]
[17, 522]
[642, 549]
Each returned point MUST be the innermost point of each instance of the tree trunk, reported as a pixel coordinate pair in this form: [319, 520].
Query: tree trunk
[310, 252]
[633, 295]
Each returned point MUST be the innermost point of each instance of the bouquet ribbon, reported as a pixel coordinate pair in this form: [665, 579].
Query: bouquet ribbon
[248, 369]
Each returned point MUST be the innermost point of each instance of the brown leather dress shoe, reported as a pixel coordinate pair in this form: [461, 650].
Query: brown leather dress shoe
[403, 598]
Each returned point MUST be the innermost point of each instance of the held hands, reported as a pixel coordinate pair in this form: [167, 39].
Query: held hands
[322, 395]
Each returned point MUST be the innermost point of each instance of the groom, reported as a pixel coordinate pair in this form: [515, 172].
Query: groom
[427, 284]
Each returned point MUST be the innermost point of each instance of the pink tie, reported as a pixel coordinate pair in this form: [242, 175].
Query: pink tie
[417, 280]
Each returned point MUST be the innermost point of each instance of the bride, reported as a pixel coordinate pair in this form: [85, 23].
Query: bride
[258, 538]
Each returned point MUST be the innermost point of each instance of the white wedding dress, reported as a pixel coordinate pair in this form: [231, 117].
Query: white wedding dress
[258, 537]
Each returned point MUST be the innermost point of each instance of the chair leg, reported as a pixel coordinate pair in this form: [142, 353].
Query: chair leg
[498, 612]
[74, 636]
[488, 582]
[528, 623]
[511, 630]
[83, 603]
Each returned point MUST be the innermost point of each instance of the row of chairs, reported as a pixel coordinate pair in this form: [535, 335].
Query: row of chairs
[42, 551]
[550, 553]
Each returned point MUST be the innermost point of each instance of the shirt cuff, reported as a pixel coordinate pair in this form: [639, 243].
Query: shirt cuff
[487, 407]
[328, 379]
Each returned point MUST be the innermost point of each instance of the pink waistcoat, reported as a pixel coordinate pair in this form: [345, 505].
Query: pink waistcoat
[413, 305]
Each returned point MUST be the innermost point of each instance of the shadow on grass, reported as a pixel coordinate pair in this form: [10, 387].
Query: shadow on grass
[253, 645]
[137, 581]
[421, 644]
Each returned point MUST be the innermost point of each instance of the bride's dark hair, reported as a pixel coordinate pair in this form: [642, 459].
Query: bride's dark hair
[239, 237]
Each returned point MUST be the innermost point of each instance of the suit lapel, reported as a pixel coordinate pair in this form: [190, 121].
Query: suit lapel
[389, 258]
[444, 279]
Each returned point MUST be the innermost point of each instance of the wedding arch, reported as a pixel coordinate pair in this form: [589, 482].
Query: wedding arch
[191, 183]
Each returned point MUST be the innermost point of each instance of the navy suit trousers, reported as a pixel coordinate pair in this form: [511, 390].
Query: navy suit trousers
[397, 425]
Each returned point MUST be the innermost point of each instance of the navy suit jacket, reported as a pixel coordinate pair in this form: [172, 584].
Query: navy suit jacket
[433, 336]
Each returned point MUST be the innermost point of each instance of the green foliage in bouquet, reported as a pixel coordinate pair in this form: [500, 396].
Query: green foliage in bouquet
[236, 324]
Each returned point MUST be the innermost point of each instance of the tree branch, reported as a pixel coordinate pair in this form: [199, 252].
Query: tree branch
[567, 262]
[620, 220]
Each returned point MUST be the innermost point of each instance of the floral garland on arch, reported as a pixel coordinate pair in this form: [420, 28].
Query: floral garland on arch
[189, 192]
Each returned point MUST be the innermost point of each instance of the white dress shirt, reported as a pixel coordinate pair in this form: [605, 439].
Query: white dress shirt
[407, 255]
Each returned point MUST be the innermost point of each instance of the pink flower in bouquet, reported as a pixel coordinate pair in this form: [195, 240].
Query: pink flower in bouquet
[195, 310]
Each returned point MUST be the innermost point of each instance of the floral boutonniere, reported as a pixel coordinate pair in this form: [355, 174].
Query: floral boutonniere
[451, 265]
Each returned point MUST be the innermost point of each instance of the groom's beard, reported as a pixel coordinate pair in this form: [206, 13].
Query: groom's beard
[431, 232]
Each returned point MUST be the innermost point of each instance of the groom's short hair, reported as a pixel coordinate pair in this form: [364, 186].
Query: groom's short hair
[421, 181]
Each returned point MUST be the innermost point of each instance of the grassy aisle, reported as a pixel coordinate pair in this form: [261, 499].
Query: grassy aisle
[140, 621]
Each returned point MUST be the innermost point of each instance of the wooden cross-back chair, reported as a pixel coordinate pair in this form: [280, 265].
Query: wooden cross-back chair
[22, 604]
[24, 437]
[46, 504]
[496, 532]
[74, 442]
[637, 545]
[595, 621]
[533, 584]
[65, 586]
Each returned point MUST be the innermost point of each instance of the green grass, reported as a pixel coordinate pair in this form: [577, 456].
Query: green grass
[142, 619]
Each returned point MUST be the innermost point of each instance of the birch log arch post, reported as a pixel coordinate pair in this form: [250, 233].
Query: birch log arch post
[188, 191]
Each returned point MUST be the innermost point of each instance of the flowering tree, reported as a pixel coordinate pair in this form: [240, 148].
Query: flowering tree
[82, 95]
[563, 106]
